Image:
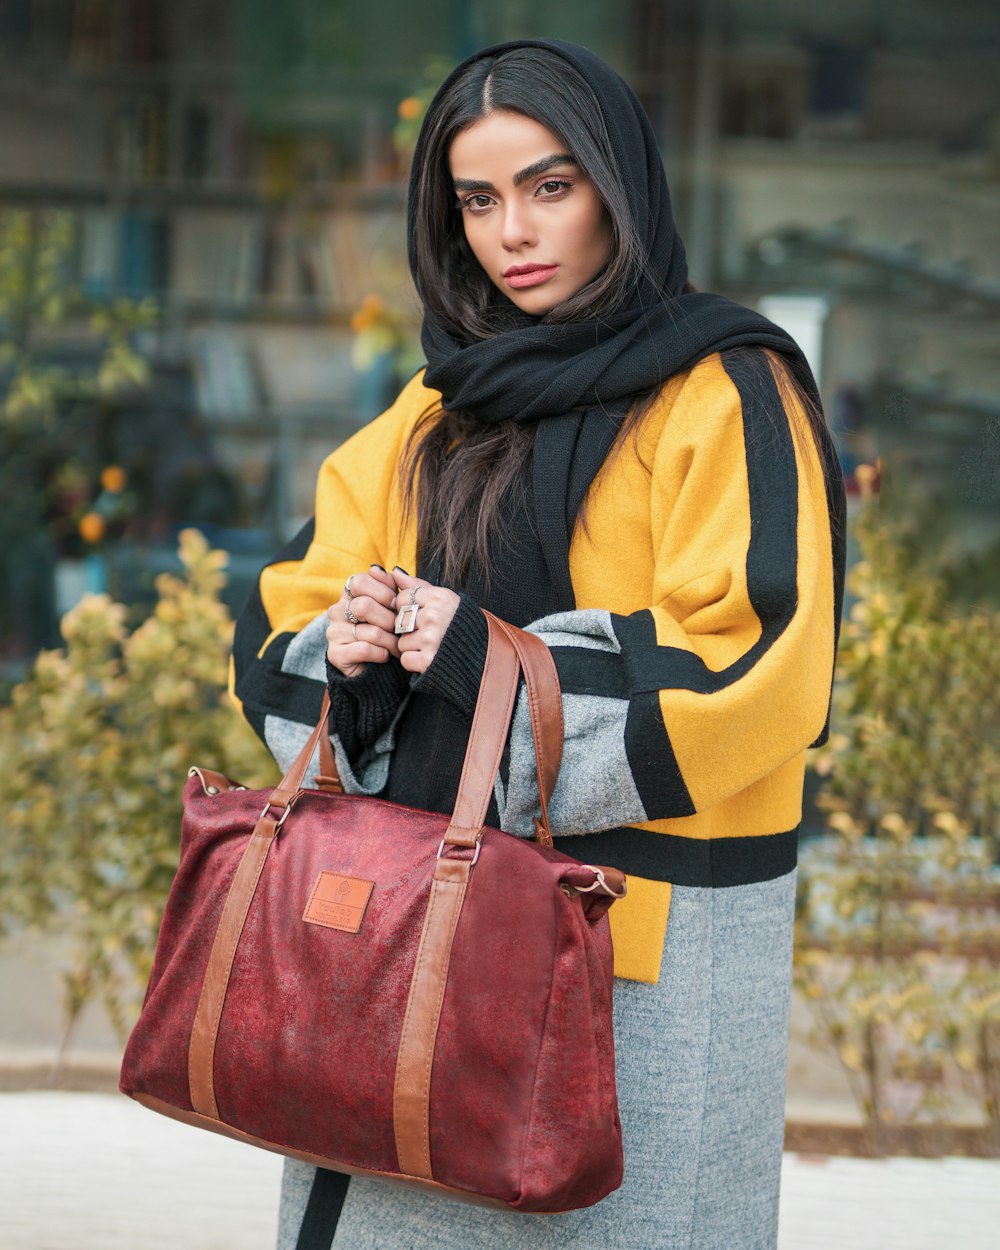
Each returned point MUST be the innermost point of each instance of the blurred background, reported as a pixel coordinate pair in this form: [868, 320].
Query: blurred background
[203, 290]
[197, 198]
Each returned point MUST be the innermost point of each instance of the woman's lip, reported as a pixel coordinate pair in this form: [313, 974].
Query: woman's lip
[529, 275]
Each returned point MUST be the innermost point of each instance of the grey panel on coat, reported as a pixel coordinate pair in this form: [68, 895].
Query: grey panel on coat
[305, 655]
[595, 789]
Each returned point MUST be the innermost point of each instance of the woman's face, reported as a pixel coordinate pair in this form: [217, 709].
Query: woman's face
[531, 215]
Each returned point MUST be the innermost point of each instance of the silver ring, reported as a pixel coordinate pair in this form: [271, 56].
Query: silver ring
[406, 619]
[347, 586]
[354, 631]
[355, 620]
[413, 595]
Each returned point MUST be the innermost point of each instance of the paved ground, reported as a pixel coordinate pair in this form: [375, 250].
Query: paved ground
[96, 1172]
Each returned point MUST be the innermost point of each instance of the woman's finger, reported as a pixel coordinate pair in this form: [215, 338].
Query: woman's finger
[367, 609]
[372, 583]
[379, 574]
[342, 633]
[374, 634]
[351, 657]
[405, 583]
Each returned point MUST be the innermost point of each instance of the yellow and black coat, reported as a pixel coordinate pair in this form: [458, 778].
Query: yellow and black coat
[696, 668]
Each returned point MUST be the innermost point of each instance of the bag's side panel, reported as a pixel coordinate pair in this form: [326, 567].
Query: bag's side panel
[493, 1018]
[573, 1154]
[215, 833]
[307, 1046]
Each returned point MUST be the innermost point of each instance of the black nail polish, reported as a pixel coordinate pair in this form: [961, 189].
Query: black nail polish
[377, 566]
[401, 569]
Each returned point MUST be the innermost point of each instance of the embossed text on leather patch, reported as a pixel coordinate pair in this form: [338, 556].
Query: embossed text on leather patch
[338, 902]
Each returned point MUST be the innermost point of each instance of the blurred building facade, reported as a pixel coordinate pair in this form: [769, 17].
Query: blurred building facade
[242, 164]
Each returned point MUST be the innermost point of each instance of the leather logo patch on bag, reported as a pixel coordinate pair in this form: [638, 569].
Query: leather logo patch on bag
[338, 902]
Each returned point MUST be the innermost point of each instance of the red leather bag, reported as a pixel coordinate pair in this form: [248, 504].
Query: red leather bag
[382, 991]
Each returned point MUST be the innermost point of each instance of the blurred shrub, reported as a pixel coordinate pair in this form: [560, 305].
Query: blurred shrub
[96, 746]
[899, 925]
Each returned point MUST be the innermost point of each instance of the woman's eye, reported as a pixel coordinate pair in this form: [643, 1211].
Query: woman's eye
[475, 202]
[554, 185]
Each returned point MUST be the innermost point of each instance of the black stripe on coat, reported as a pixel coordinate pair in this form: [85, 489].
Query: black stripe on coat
[650, 754]
[267, 691]
[710, 862]
[259, 684]
[252, 624]
[772, 553]
[772, 587]
[326, 1201]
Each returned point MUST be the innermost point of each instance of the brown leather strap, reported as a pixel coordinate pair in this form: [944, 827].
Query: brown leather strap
[487, 738]
[201, 1054]
[411, 1099]
[508, 649]
[327, 764]
[541, 683]
[288, 788]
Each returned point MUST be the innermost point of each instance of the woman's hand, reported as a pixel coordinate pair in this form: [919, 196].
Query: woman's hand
[436, 608]
[370, 639]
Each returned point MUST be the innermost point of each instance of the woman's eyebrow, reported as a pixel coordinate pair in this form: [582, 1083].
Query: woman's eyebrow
[532, 171]
[539, 167]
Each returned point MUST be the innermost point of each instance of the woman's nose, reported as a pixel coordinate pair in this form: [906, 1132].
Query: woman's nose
[517, 229]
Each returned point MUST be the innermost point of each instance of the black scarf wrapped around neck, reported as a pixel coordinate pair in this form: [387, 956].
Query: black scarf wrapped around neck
[577, 379]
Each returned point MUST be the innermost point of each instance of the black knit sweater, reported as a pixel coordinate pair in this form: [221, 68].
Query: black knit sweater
[433, 730]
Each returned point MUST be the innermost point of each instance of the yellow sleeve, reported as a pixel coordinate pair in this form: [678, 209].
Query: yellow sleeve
[277, 666]
[725, 674]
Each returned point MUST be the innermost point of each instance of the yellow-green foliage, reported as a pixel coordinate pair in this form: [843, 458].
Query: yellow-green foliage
[96, 746]
[899, 930]
[916, 724]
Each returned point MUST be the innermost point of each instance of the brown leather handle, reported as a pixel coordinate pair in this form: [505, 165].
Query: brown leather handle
[327, 764]
[487, 738]
[288, 788]
[509, 650]
[545, 708]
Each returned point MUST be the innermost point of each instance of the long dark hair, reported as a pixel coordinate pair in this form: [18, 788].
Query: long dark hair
[457, 472]
[465, 469]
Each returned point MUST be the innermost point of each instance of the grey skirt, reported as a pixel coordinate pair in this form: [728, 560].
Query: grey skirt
[701, 1062]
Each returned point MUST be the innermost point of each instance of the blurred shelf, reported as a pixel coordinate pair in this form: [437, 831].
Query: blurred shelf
[171, 195]
[339, 420]
[291, 311]
[338, 80]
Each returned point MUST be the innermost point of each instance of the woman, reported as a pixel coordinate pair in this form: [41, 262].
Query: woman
[641, 475]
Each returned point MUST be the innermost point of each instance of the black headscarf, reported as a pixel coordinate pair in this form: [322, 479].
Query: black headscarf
[576, 379]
